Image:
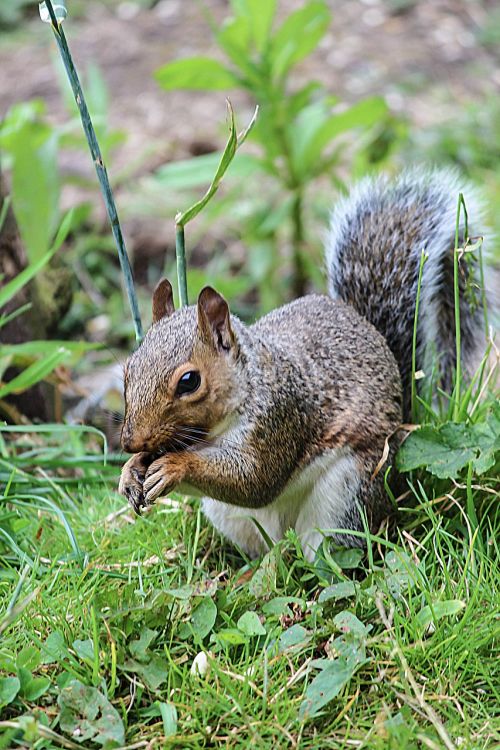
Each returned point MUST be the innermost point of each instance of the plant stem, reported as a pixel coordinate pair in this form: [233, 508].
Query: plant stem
[456, 294]
[423, 258]
[299, 271]
[180, 254]
[99, 167]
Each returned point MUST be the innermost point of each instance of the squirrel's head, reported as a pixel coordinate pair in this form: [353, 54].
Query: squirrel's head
[182, 382]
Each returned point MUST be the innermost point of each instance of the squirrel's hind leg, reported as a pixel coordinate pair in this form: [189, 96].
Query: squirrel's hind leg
[236, 524]
[333, 502]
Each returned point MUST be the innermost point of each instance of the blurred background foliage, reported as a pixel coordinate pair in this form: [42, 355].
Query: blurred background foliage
[343, 88]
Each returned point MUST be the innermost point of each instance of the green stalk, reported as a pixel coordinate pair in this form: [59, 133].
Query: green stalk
[456, 294]
[180, 254]
[99, 166]
[423, 258]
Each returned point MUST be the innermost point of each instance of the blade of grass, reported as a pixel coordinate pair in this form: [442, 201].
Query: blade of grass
[423, 258]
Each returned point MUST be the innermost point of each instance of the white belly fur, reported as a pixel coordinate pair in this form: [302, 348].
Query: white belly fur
[316, 498]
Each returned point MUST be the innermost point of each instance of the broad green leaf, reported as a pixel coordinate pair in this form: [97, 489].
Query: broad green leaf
[325, 686]
[203, 617]
[235, 39]
[250, 624]
[258, 16]
[54, 649]
[202, 620]
[196, 74]
[231, 637]
[342, 590]
[294, 638]
[263, 582]
[32, 145]
[9, 688]
[139, 647]
[298, 36]
[348, 559]
[199, 170]
[32, 688]
[315, 128]
[347, 622]
[446, 450]
[29, 657]
[280, 606]
[84, 649]
[428, 615]
[87, 715]
[153, 672]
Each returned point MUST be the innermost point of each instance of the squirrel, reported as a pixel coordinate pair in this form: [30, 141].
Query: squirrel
[284, 421]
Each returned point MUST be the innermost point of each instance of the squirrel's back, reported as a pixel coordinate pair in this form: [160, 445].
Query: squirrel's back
[377, 235]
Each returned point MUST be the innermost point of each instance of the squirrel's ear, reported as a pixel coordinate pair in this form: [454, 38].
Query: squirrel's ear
[163, 300]
[213, 319]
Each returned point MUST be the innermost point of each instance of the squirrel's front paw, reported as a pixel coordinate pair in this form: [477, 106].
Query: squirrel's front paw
[132, 480]
[163, 475]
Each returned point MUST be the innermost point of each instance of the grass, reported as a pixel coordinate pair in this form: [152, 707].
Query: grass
[103, 614]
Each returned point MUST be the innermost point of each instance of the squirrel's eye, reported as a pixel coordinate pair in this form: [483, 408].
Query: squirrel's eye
[188, 383]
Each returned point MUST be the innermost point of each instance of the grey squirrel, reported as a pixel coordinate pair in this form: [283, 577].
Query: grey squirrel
[285, 420]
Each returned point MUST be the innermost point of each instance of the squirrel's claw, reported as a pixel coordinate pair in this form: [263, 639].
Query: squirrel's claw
[132, 481]
[161, 477]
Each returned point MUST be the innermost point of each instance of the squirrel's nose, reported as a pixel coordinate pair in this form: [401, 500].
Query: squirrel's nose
[132, 441]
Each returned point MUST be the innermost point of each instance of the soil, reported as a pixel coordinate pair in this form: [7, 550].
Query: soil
[425, 57]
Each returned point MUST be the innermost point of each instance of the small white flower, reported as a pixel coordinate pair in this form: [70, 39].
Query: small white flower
[200, 665]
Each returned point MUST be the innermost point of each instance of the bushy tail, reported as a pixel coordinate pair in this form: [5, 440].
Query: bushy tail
[373, 254]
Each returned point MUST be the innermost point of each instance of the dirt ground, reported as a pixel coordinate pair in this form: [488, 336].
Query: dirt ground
[426, 57]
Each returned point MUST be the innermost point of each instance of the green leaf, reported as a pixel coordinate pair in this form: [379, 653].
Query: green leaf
[196, 74]
[348, 559]
[14, 285]
[34, 373]
[203, 617]
[298, 36]
[87, 715]
[263, 581]
[190, 173]
[279, 606]
[31, 687]
[250, 624]
[294, 638]
[154, 672]
[347, 622]
[446, 450]
[9, 688]
[315, 128]
[258, 17]
[231, 636]
[139, 647]
[32, 145]
[29, 657]
[429, 615]
[84, 649]
[342, 590]
[233, 143]
[325, 686]
[54, 649]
